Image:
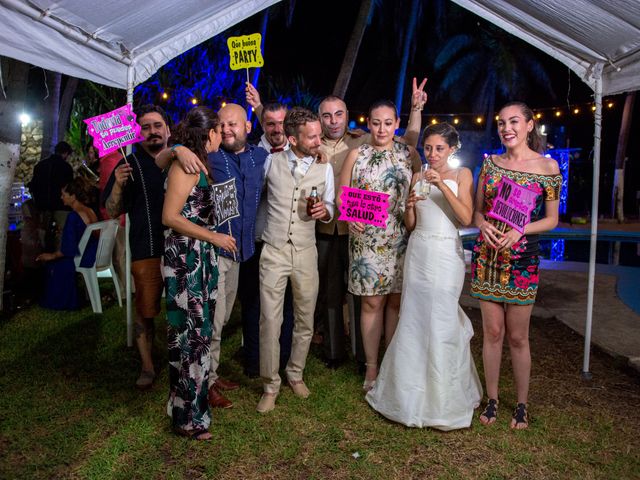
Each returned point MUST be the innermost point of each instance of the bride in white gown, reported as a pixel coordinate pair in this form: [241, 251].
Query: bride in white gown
[428, 377]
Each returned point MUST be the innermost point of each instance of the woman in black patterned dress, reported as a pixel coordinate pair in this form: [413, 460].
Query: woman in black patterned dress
[191, 276]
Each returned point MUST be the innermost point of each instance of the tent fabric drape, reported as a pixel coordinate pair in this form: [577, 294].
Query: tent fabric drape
[98, 41]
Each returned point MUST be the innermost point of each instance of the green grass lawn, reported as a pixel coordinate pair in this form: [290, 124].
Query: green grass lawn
[68, 409]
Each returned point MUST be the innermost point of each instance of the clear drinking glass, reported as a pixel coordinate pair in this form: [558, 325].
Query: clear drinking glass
[425, 187]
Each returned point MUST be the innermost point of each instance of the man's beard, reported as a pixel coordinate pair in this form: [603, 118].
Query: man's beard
[273, 140]
[237, 145]
[307, 152]
[154, 147]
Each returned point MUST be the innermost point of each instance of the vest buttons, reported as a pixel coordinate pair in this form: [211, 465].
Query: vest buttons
[291, 223]
[293, 211]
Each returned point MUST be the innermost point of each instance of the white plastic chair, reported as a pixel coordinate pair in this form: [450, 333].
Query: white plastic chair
[104, 254]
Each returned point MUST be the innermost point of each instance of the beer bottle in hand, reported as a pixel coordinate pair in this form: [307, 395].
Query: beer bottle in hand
[312, 200]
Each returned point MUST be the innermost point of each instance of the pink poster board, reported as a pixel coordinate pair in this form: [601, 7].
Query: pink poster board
[513, 204]
[113, 130]
[364, 206]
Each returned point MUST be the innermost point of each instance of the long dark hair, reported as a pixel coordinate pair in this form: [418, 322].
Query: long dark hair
[534, 139]
[193, 130]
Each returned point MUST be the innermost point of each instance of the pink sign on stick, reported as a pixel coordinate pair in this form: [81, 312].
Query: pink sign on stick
[113, 130]
[513, 204]
[364, 206]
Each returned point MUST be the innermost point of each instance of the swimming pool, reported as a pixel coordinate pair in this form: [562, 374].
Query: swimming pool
[617, 253]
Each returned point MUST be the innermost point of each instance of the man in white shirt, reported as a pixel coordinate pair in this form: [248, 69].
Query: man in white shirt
[289, 251]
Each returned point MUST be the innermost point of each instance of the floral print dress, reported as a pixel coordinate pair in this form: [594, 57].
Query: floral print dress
[376, 257]
[510, 276]
[191, 278]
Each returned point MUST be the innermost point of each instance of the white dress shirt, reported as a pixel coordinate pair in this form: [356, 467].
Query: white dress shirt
[328, 196]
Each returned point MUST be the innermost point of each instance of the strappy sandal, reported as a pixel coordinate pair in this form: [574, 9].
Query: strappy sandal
[490, 412]
[192, 434]
[369, 384]
[520, 417]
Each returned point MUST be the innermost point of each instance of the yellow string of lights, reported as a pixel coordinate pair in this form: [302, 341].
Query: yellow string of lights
[539, 113]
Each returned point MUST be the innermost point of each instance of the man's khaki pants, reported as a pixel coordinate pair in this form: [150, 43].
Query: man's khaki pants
[276, 266]
[228, 272]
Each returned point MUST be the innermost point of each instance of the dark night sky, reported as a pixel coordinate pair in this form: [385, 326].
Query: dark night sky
[314, 45]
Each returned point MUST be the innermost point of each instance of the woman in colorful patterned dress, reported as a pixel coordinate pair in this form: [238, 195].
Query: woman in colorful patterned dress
[504, 266]
[376, 255]
[191, 276]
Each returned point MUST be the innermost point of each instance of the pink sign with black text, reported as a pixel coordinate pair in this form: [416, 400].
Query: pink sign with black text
[364, 206]
[113, 130]
[513, 204]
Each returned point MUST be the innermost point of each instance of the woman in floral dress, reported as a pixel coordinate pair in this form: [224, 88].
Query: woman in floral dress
[504, 266]
[376, 254]
[191, 276]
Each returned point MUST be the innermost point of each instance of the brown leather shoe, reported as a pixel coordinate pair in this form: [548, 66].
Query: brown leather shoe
[217, 400]
[224, 385]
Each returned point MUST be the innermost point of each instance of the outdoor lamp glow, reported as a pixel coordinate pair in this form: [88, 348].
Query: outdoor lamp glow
[454, 162]
[25, 118]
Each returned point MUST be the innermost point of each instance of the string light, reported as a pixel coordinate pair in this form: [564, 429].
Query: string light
[165, 95]
[576, 111]
[456, 121]
[497, 117]
[593, 108]
[361, 119]
[224, 104]
[610, 104]
[538, 116]
[558, 113]
[433, 121]
[194, 101]
[478, 120]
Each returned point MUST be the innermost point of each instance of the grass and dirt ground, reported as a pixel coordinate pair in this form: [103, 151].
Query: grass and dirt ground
[68, 409]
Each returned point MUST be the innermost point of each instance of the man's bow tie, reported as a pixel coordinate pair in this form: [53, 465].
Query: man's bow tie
[277, 149]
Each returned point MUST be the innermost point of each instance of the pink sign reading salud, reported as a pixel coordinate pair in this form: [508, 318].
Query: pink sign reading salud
[113, 130]
[513, 204]
[364, 206]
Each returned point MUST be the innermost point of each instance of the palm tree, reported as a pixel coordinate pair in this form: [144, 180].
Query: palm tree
[15, 75]
[351, 53]
[488, 66]
[617, 195]
[415, 13]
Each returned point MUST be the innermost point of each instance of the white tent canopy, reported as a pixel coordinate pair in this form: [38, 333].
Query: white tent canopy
[578, 33]
[116, 43]
[122, 43]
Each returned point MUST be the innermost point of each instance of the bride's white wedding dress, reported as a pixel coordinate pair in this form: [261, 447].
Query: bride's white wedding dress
[428, 377]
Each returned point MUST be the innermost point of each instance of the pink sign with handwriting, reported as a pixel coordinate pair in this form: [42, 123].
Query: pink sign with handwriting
[113, 130]
[364, 206]
[513, 204]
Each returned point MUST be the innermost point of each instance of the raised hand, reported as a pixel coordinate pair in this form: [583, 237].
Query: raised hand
[253, 97]
[418, 95]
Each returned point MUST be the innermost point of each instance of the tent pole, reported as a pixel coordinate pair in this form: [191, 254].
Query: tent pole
[594, 220]
[127, 261]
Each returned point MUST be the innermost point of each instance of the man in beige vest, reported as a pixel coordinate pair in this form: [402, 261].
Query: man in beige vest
[289, 250]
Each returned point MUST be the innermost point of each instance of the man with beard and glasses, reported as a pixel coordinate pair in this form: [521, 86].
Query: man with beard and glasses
[245, 163]
[136, 187]
[289, 251]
